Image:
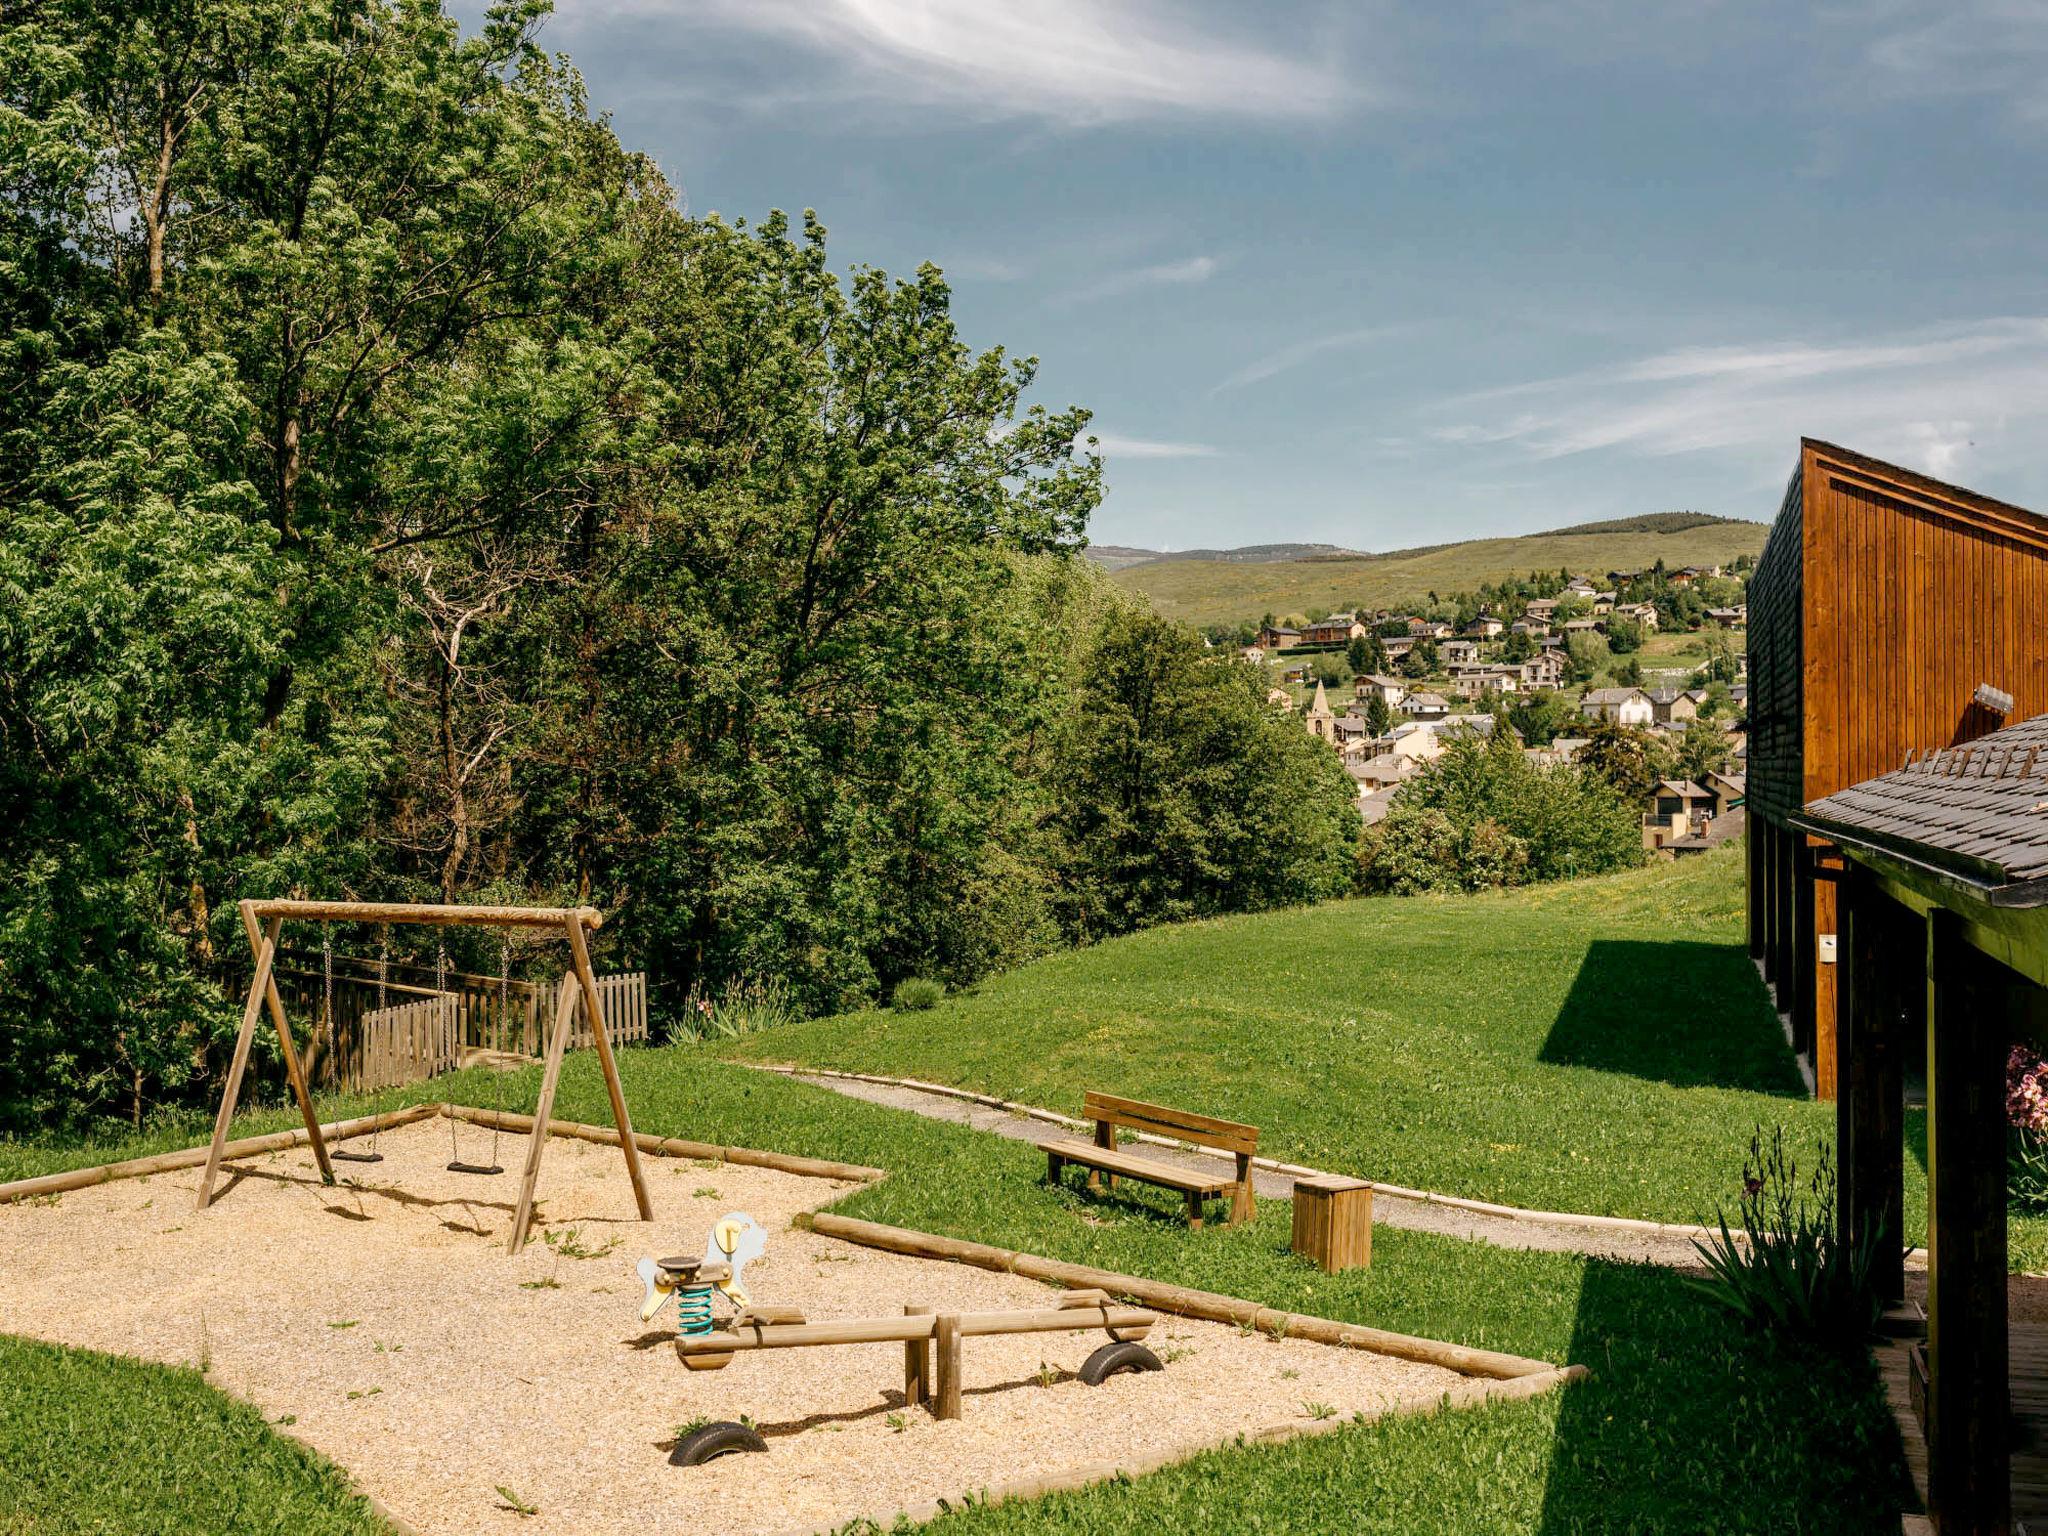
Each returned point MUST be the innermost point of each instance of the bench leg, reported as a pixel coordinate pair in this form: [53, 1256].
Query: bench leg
[1055, 1165]
[1241, 1207]
[1194, 1211]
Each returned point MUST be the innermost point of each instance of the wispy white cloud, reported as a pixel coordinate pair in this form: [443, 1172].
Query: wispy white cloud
[1087, 61]
[1164, 274]
[1297, 353]
[1933, 398]
[1112, 446]
[1934, 48]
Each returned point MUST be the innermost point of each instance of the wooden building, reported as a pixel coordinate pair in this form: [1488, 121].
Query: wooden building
[1943, 906]
[1883, 601]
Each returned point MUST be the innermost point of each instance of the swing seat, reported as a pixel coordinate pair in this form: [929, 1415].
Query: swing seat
[355, 1157]
[462, 1167]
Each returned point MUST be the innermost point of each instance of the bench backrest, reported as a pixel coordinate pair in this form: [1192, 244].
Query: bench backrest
[1203, 1130]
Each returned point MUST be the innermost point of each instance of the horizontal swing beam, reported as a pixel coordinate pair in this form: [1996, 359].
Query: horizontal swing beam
[413, 912]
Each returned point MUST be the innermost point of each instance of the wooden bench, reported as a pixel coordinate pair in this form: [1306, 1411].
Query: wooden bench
[1103, 1156]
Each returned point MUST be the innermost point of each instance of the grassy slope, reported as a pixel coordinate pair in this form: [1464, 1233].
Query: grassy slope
[1603, 1046]
[1221, 591]
[1687, 1425]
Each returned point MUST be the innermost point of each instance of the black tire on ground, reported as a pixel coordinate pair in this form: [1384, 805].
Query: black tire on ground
[1112, 1358]
[712, 1441]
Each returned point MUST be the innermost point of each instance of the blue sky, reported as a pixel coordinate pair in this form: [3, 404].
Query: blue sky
[1383, 274]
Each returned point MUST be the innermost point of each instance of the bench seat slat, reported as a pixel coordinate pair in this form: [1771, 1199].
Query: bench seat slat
[1124, 1164]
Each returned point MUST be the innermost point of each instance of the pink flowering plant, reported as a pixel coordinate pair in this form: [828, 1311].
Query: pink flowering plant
[2026, 1116]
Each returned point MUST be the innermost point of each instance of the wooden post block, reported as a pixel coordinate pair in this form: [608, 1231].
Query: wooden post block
[1333, 1222]
[917, 1364]
[948, 1401]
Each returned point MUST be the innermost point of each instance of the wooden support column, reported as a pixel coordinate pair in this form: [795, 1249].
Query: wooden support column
[1969, 1459]
[551, 1075]
[1798, 998]
[1870, 1140]
[1753, 853]
[293, 1068]
[1827, 910]
[946, 1403]
[1766, 837]
[917, 1364]
[259, 984]
[1781, 887]
[580, 951]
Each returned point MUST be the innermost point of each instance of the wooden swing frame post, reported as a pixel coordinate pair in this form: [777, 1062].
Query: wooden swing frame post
[263, 922]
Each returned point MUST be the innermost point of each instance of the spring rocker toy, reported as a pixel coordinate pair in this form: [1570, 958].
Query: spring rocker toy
[702, 1343]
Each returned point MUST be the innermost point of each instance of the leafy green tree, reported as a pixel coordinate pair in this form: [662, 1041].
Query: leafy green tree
[1629, 672]
[1627, 757]
[1624, 636]
[1542, 715]
[1724, 661]
[1586, 657]
[1421, 660]
[1702, 750]
[1379, 715]
[1178, 794]
[1359, 654]
[1481, 815]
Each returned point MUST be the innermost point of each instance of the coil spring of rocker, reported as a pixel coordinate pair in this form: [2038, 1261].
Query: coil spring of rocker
[693, 1309]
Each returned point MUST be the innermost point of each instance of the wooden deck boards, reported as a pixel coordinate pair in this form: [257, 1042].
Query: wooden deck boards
[2028, 1357]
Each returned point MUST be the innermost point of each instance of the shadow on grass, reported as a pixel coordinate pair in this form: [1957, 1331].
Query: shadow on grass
[1690, 1424]
[1685, 1013]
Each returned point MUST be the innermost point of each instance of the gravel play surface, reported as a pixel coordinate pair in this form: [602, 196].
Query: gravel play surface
[383, 1323]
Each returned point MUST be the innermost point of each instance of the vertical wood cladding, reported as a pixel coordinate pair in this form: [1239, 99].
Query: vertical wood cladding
[1882, 600]
[1916, 593]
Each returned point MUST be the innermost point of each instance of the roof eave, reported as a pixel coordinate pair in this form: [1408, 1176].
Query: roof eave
[1982, 881]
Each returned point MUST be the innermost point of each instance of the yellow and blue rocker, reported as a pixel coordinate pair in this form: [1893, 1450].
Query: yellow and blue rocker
[735, 1242]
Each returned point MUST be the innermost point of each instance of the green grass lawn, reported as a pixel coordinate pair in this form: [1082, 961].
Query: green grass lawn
[1687, 1426]
[1602, 1046]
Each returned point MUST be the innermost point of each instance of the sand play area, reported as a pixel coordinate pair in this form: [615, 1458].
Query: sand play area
[382, 1322]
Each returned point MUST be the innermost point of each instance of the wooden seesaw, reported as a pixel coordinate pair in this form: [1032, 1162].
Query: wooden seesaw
[922, 1333]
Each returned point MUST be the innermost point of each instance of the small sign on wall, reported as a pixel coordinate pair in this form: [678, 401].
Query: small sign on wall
[1826, 949]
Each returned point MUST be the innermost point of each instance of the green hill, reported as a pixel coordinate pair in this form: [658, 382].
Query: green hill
[1211, 591]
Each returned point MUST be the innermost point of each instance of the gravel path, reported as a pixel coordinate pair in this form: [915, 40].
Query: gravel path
[1423, 1216]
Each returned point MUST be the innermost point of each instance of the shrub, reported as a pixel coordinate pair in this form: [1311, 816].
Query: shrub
[914, 994]
[1788, 1274]
[1482, 815]
[741, 1007]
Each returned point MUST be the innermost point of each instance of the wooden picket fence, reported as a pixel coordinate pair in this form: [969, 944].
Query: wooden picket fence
[421, 1031]
[396, 1046]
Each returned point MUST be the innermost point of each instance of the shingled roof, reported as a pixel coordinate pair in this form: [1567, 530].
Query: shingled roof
[1978, 812]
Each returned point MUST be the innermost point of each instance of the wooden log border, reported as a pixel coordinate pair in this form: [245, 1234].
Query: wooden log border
[1210, 1306]
[1465, 1395]
[195, 1157]
[343, 1130]
[673, 1146]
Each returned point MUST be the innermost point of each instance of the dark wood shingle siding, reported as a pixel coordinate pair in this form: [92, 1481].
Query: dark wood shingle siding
[1776, 758]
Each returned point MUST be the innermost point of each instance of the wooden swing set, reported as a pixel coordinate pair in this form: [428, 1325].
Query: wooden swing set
[263, 922]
